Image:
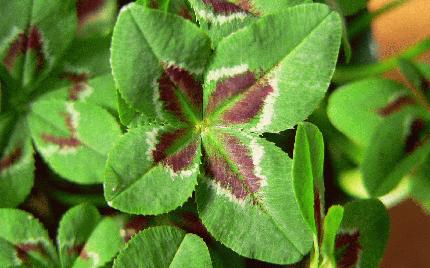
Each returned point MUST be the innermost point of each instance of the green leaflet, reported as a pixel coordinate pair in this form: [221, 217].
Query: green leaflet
[24, 241]
[16, 162]
[370, 100]
[143, 35]
[85, 239]
[140, 177]
[265, 224]
[308, 178]
[44, 29]
[68, 134]
[364, 233]
[164, 246]
[332, 223]
[284, 88]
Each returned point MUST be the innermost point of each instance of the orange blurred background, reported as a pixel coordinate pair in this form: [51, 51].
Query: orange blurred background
[409, 243]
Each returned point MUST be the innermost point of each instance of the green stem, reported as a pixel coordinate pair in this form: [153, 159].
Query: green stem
[347, 73]
[364, 21]
[75, 199]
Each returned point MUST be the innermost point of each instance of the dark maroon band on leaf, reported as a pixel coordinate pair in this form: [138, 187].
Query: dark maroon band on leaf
[185, 82]
[230, 87]
[18, 47]
[396, 105]
[221, 172]
[64, 142]
[184, 12]
[414, 140]
[190, 223]
[223, 7]
[240, 183]
[35, 43]
[178, 160]
[135, 225]
[249, 106]
[10, 159]
[168, 96]
[75, 250]
[166, 140]
[79, 82]
[22, 250]
[85, 8]
[318, 214]
[349, 247]
[84, 254]
[246, 5]
[23, 43]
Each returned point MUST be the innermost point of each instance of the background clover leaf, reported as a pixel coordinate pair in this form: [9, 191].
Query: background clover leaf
[40, 53]
[172, 248]
[85, 239]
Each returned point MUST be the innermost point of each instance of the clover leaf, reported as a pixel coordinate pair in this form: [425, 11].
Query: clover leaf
[85, 239]
[47, 54]
[207, 133]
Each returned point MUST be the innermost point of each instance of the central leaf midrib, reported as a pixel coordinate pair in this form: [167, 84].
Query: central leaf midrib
[232, 165]
[226, 105]
[181, 143]
[191, 115]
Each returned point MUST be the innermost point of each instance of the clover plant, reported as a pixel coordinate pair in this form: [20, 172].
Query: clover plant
[198, 133]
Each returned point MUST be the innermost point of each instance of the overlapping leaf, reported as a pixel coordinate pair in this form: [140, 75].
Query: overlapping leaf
[32, 44]
[33, 61]
[24, 241]
[85, 239]
[164, 246]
